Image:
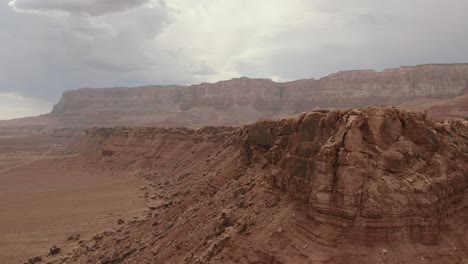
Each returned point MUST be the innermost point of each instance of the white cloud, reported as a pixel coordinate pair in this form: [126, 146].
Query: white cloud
[82, 7]
[52, 45]
[225, 34]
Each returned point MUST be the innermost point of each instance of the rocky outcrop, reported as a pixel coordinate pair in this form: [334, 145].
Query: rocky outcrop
[371, 169]
[345, 186]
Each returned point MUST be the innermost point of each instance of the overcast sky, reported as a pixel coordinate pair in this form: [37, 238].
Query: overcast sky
[48, 46]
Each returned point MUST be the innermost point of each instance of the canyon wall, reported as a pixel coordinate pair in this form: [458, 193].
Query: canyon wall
[243, 100]
[441, 89]
[343, 89]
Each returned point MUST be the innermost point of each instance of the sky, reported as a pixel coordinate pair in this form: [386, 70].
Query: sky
[49, 46]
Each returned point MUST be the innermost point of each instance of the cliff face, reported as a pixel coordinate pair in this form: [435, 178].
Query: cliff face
[244, 100]
[345, 186]
[377, 168]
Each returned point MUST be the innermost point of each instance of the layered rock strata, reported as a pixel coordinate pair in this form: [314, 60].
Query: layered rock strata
[242, 100]
[340, 90]
[376, 168]
[374, 185]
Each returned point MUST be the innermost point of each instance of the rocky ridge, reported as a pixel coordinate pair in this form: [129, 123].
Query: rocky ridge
[339, 90]
[242, 100]
[377, 168]
[374, 185]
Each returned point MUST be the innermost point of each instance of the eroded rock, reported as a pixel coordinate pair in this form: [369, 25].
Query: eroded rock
[348, 166]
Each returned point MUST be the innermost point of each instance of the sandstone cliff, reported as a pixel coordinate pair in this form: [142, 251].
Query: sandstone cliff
[243, 100]
[375, 185]
[339, 90]
[371, 169]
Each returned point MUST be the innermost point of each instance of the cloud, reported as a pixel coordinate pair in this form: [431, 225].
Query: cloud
[49, 46]
[363, 34]
[57, 52]
[81, 7]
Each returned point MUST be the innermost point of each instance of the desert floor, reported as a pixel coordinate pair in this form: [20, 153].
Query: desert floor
[44, 200]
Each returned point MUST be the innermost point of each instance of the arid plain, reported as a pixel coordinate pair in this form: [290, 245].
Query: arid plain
[45, 198]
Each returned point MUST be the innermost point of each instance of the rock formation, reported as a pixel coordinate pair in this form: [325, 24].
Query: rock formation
[374, 185]
[340, 90]
[374, 169]
[243, 100]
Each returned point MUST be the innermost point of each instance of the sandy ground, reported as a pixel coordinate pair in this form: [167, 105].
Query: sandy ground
[43, 201]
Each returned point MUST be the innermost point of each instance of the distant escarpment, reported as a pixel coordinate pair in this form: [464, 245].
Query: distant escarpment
[340, 90]
[243, 100]
[344, 186]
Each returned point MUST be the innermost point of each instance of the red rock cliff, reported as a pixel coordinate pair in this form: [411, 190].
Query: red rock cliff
[244, 100]
[373, 169]
[376, 185]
